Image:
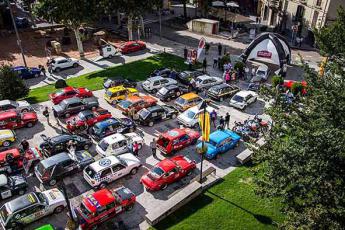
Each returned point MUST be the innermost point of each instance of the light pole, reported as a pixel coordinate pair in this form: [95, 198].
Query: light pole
[62, 186]
[19, 42]
[202, 106]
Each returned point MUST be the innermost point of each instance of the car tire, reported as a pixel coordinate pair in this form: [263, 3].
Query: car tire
[140, 146]
[6, 143]
[75, 65]
[151, 123]
[110, 56]
[221, 99]
[173, 116]
[25, 110]
[59, 209]
[154, 91]
[134, 171]
[168, 99]
[57, 69]
[52, 182]
[255, 100]
[86, 147]
[102, 185]
[67, 115]
[178, 94]
[164, 186]
[189, 173]
[29, 125]
[21, 192]
[36, 75]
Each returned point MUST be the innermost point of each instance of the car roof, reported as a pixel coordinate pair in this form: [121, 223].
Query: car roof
[262, 67]
[8, 114]
[202, 77]
[166, 165]
[171, 87]
[155, 78]
[54, 160]
[220, 86]
[189, 96]
[19, 67]
[5, 102]
[22, 202]
[68, 88]
[103, 163]
[117, 88]
[244, 93]
[196, 109]
[107, 122]
[154, 108]
[133, 98]
[98, 199]
[60, 138]
[116, 137]
[59, 58]
[86, 112]
[174, 133]
[3, 179]
[219, 135]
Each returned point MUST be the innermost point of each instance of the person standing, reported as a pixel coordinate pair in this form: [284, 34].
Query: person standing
[185, 53]
[221, 123]
[215, 62]
[153, 146]
[204, 65]
[46, 114]
[219, 49]
[214, 117]
[227, 77]
[227, 121]
[43, 70]
[135, 148]
[25, 144]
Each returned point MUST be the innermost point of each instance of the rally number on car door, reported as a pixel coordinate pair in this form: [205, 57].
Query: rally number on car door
[6, 194]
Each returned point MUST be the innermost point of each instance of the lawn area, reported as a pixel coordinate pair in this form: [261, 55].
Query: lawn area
[230, 204]
[137, 70]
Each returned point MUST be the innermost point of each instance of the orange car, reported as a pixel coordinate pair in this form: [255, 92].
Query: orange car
[136, 102]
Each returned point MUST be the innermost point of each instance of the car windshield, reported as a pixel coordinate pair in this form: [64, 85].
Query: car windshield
[40, 168]
[181, 101]
[81, 117]
[4, 213]
[109, 93]
[260, 73]
[96, 129]
[125, 104]
[59, 93]
[103, 145]
[163, 142]
[41, 197]
[237, 98]
[190, 114]
[163, 91]
[144, 113]
[214, 90]
[183, 75]
[199, 80]
[85, 210]
[213, 143]
[63, 104]
[158, 171]
[89, 171]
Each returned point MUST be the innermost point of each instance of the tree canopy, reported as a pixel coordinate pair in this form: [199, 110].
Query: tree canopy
[11, 86]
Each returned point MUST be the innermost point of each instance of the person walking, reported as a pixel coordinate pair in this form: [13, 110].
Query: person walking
[204, 65]
[221, 123]
[153, 146]
[135, 148]
[215, 62]
[219, 49]
[25, 144]
[46, 114]
[227, 121]
[43, 70]
[227, 76]
[214, 117]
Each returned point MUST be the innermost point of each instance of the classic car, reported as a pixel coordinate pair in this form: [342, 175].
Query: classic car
[22, 106]
[186, 76]
[52, 169]
[149, 116]
[53, 145]
[163, 72]
[13, 119]
[117, 81]
[7, 137]
[86, 119]
[30, 207]
[176, 139]
[171, 92]
[243, 98]
[222, 91]
[187, 101]
[190, 117]
[103, 205]
[110, 168]
[118, 143]
[110, 126]
[288, 85]
[132, 46]
[205, 82]
[220, 142]
[69, 92]
[115, 94]
[74, 105]
[12, 185]
[153, 84]
[167, 172]
[261, 74]
[26, 73]
[59, 63]
[136, 102]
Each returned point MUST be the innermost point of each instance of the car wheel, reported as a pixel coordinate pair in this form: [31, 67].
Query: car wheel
[151, 123]
[36, 75]
[129, 207]
[194, 141]
[25, 110]
[140, 146]
[57, 69]
[6, 143]
[102, 185]
[168, 99]
[75, 65]
[221, 99]
[52, 182]
[86, 147]
[110, 56]
[196, 126]
[134, 171]
[21, 192]
[154, 91]
[255, 99]
[131, 129]
[164, 186]
[67, 115]
[59, 209]
[178, 94]
[29, 125]
[189, 173]
[173, 116]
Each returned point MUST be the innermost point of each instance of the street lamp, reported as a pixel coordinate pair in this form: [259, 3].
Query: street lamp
[62, 186]
[202, 106]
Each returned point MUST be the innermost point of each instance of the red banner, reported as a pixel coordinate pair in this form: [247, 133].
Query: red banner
[264, 54]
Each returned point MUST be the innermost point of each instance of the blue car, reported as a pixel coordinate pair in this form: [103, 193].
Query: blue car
[220, 142]
[26, 73]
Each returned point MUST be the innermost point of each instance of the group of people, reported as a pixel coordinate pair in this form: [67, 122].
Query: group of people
[224, 122]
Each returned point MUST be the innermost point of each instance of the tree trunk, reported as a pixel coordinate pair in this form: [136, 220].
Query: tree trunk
[185, 10]
[130, 27]
[142, 24]
[79, 43]
[118, 17]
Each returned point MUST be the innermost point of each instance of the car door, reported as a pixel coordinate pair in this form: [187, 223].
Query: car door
[118, 171]
[183, 141]
[115, 148]
[249, 99]
[63, 64]
[76, 107]
[14, 123]
[68, 166]
[170, 176]
[34, 213]
[5, 192]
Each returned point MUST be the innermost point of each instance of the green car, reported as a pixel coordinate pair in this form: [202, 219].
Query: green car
[46, 227]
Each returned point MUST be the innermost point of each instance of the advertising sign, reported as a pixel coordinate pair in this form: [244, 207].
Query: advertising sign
[264, 54]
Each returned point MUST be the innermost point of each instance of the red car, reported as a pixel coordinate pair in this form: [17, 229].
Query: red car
[132, 46]
[176, 139]
[288, 84]
[103, 205]
[69, 92]
[87, 118]
[12, 119]
[166, 172]
[136, 102]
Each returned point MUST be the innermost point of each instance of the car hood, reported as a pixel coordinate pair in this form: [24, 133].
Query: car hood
[236, 102]
[134, 137]
[84, 157]
[55, 197]
[18, 180]
[183, 117]
[23, 104]
[126, 121]
[130, 159]
[29, 116]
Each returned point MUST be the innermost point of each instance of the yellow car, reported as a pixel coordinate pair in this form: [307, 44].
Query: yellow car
[118, 93]
[187, 101]
[7, 137]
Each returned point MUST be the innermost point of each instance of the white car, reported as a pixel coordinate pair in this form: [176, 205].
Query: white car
[118, 143]
[111, 168]
[59, 63]
[30, 207]
[190, 117]
[22, 106]
[243, 98]
[206, 81]
[153, 84]
[261, 74]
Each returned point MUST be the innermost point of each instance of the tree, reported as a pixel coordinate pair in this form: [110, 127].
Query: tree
[303, 160]
[72, 14]
[29, 3]
[11, 86]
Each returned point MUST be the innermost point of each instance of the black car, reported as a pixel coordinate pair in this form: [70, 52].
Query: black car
[12, 185]
[222, 91]
[186, 76]
[163, 72]
[74, 105]
[112, 82]
[58, 144]
[56, 167]
[110, 126]
[171, 92]
[148, 116]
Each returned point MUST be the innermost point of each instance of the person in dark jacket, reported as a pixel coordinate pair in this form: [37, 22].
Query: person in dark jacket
[219, 49]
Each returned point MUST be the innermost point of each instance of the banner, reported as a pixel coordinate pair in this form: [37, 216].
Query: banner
[205, 127]
[201, 46]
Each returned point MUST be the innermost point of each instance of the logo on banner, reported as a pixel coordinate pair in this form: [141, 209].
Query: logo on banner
[264, 54]
[201, 46]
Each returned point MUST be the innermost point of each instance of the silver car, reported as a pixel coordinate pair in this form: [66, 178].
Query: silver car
[22, 106]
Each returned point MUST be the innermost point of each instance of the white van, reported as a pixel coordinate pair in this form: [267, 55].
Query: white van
[190, 117]
[107, 51]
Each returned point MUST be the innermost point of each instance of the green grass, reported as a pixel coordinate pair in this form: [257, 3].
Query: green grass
[230, 204]
[137, 70]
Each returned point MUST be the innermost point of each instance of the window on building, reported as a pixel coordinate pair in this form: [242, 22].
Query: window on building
[315, 18]
[318, 3]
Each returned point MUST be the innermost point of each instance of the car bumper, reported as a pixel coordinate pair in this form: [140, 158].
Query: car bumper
[237, 106]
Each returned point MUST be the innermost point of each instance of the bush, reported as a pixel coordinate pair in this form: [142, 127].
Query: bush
[12, 87]
[277, 80]
[239, 66]
[61, 83]
[296, 88]
[225, 59]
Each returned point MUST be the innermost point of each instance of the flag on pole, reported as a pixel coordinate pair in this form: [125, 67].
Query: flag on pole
[201, 46]
[205, 127]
